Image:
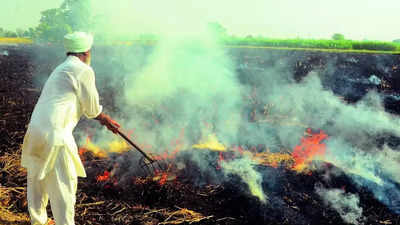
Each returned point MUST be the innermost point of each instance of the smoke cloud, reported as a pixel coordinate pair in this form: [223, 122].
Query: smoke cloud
[346, 204]
[244, 169]
[187, 84]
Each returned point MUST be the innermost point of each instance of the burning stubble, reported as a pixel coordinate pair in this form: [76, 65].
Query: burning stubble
[351, 145]
[187, 89]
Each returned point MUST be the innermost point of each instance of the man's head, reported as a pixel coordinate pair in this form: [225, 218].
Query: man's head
[79, 45]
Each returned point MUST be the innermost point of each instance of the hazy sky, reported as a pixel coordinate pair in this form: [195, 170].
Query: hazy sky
[356, 19]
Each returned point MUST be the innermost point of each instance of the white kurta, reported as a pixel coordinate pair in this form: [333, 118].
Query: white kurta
[69, 93]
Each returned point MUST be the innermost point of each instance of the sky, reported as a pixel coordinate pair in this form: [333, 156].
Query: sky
[356, 19]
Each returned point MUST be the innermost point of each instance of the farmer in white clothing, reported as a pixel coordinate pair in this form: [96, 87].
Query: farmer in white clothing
[49, 151]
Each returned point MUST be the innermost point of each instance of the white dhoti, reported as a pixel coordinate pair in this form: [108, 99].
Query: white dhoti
[60, 185]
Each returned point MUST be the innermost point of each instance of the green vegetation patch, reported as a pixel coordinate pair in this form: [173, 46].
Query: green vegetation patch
[312, 44]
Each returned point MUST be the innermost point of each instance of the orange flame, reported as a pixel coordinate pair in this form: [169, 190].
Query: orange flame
[163, 179]
[104, 177]
[311, 146]
[81, 152]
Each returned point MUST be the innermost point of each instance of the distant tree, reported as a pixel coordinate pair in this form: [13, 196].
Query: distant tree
[396, 41]
[338, 37]
[52, 26]
[73, 15]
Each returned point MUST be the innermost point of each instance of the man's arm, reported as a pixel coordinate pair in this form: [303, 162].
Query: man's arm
[89, 98]
[88, 95]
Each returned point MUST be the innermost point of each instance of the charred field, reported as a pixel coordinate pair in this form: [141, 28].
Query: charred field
[194, 189]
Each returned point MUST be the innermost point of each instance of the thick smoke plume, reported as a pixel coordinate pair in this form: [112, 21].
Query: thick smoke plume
[188, 86]
[346, 204]
[244, 169]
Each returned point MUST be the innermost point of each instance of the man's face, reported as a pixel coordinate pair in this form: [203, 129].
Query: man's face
[88, 58]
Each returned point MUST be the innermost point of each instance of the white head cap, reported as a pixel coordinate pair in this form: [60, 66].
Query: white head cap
[78, 42]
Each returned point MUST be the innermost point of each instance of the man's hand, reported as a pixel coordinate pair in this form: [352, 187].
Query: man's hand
[106, 120]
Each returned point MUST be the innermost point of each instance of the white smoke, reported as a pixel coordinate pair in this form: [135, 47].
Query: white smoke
[245, 170]
[346, 204]
[186, 84]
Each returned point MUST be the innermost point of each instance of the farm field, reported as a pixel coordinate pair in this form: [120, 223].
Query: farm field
[189, 195]
[373, 47]
[212, 112]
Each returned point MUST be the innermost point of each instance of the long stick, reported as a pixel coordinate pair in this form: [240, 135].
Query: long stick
[134, 145]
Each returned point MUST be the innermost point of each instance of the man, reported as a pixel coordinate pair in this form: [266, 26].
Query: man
[49, 151]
